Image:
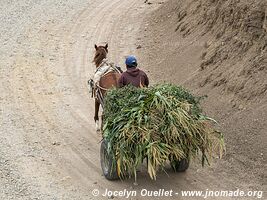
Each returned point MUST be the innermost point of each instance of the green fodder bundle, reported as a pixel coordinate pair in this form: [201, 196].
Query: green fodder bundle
[161, 123]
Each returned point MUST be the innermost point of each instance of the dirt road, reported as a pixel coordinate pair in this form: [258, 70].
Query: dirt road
[48, 145]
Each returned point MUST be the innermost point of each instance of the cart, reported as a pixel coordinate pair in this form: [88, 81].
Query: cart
[110, 171]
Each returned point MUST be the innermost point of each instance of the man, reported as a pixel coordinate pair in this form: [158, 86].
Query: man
[133, 75]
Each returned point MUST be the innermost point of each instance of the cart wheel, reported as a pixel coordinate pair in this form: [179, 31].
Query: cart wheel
[109, 171]
[180, 166]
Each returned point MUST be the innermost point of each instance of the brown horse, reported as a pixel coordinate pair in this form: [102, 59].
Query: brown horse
[107, 81]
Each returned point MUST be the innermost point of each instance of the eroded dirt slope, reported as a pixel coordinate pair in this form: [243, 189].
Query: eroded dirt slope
[218, 48]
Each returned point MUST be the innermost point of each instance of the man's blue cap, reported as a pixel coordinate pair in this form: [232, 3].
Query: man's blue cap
[131, 61]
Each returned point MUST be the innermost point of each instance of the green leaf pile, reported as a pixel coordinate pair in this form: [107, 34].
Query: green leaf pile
[161, 123]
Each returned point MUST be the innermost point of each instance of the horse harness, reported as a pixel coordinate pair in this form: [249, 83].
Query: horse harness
[102, 70]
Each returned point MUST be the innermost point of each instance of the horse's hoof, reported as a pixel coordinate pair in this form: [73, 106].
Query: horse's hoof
[97, 126]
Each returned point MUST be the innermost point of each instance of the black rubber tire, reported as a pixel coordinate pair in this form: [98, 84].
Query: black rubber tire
[109, 171]
[180, 166]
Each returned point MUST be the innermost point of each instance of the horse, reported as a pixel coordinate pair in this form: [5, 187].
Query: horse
[107, 80]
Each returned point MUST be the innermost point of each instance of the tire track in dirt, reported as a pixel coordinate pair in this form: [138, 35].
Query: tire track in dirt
[84, 157]
[98, 24]
[75, 150]
[72, 68]
[31, 94]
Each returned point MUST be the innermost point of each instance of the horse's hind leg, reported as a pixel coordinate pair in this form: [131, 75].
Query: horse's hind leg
[96, 118]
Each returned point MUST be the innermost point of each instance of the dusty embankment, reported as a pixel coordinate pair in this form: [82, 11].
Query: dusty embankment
[218, 48]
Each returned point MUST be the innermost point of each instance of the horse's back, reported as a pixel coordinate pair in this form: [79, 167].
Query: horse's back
[110, 80]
